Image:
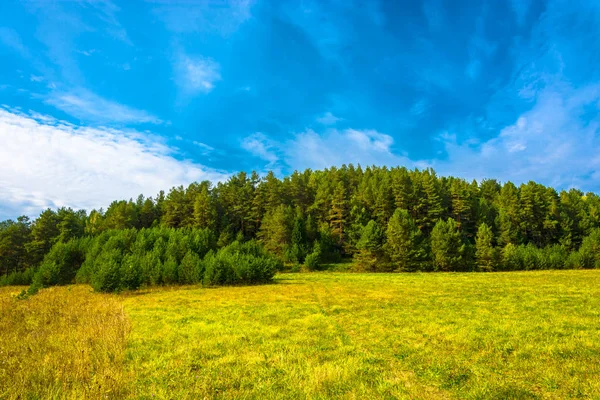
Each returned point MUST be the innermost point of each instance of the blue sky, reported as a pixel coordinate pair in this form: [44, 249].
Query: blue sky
[104, 100]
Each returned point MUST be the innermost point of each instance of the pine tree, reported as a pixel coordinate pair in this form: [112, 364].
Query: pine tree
[205, 212]
[403, 246]
[370, 256]
[461, 205]
[44, 233]
[402, 188]
[485, 251]
[508, 220]
[447, 247]
[338, 212]
[177, 209]
[70, 224]
[14, 237]
[298, 249]
[433, 200]
[147, 214]
[276, 230]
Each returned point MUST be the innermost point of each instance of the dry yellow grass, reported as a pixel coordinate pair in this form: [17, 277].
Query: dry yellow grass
[65, 342]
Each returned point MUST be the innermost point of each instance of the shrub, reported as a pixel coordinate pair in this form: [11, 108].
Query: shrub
[60, 265]
[107, 278]
[239, 262]
[190, 269]
[130, 272]
[313, 260]
[18, 278]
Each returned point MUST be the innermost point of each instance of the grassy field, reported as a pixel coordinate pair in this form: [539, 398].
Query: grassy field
[515, 335]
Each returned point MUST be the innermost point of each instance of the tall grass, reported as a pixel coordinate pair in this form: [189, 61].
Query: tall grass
[66, 342]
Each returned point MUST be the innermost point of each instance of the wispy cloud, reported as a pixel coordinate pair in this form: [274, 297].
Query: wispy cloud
[261, 146]
[554, 143]
[335, 147]
[90, 107]
[223, 17]
[196, 74]
[310, 149]
[206, 149]
[328, 119]
[52, 163]
[10, 38]
[107, 12]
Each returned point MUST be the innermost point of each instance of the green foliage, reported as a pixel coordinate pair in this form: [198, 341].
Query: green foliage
[107, 278]
[60, 265]
[240, 263]
[447, 246]
[191, 268]
[370, 256]
[404, 242]
[589, 252]
[485, 251]
[119, 260]
[18, 278]
[332, 207]
[510, 258]
[313, 260]
[276, 230]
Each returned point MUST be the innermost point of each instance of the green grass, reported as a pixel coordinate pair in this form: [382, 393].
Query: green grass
[481, 336]
[517, 335]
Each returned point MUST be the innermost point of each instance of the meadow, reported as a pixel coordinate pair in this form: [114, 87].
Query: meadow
[510, 335]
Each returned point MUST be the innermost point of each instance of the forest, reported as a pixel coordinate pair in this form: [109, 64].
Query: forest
[246, 229]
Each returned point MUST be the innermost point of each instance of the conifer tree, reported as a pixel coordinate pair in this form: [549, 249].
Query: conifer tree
[338, 212]
[370, 256]
[403, 246]
[447, 247]
[485, 251]
[433, 200]
[205, 212]
[44, 233]
[276, 230]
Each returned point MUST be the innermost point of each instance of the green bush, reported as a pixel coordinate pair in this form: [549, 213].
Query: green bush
[313, 260]
[18, 278]
[60, 265]
[191, 268]
[240, 263]
[107, 277]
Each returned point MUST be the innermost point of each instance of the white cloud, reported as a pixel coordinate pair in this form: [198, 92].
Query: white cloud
[88, 106]
[36, 78]
[328, 119]
[334, 147]
[550, 144]
[87, 53]
[222, 17]
[206, 149]
[196, 74]
[51, 163]
[260, 146]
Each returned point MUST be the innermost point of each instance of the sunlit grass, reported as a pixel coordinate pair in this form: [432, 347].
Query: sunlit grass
[321, 335]
[504, 335]
[65, 342]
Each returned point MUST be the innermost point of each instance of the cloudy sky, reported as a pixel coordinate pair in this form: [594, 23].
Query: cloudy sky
[104, 100]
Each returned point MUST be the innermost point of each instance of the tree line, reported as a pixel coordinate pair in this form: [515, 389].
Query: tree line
[383, 219]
